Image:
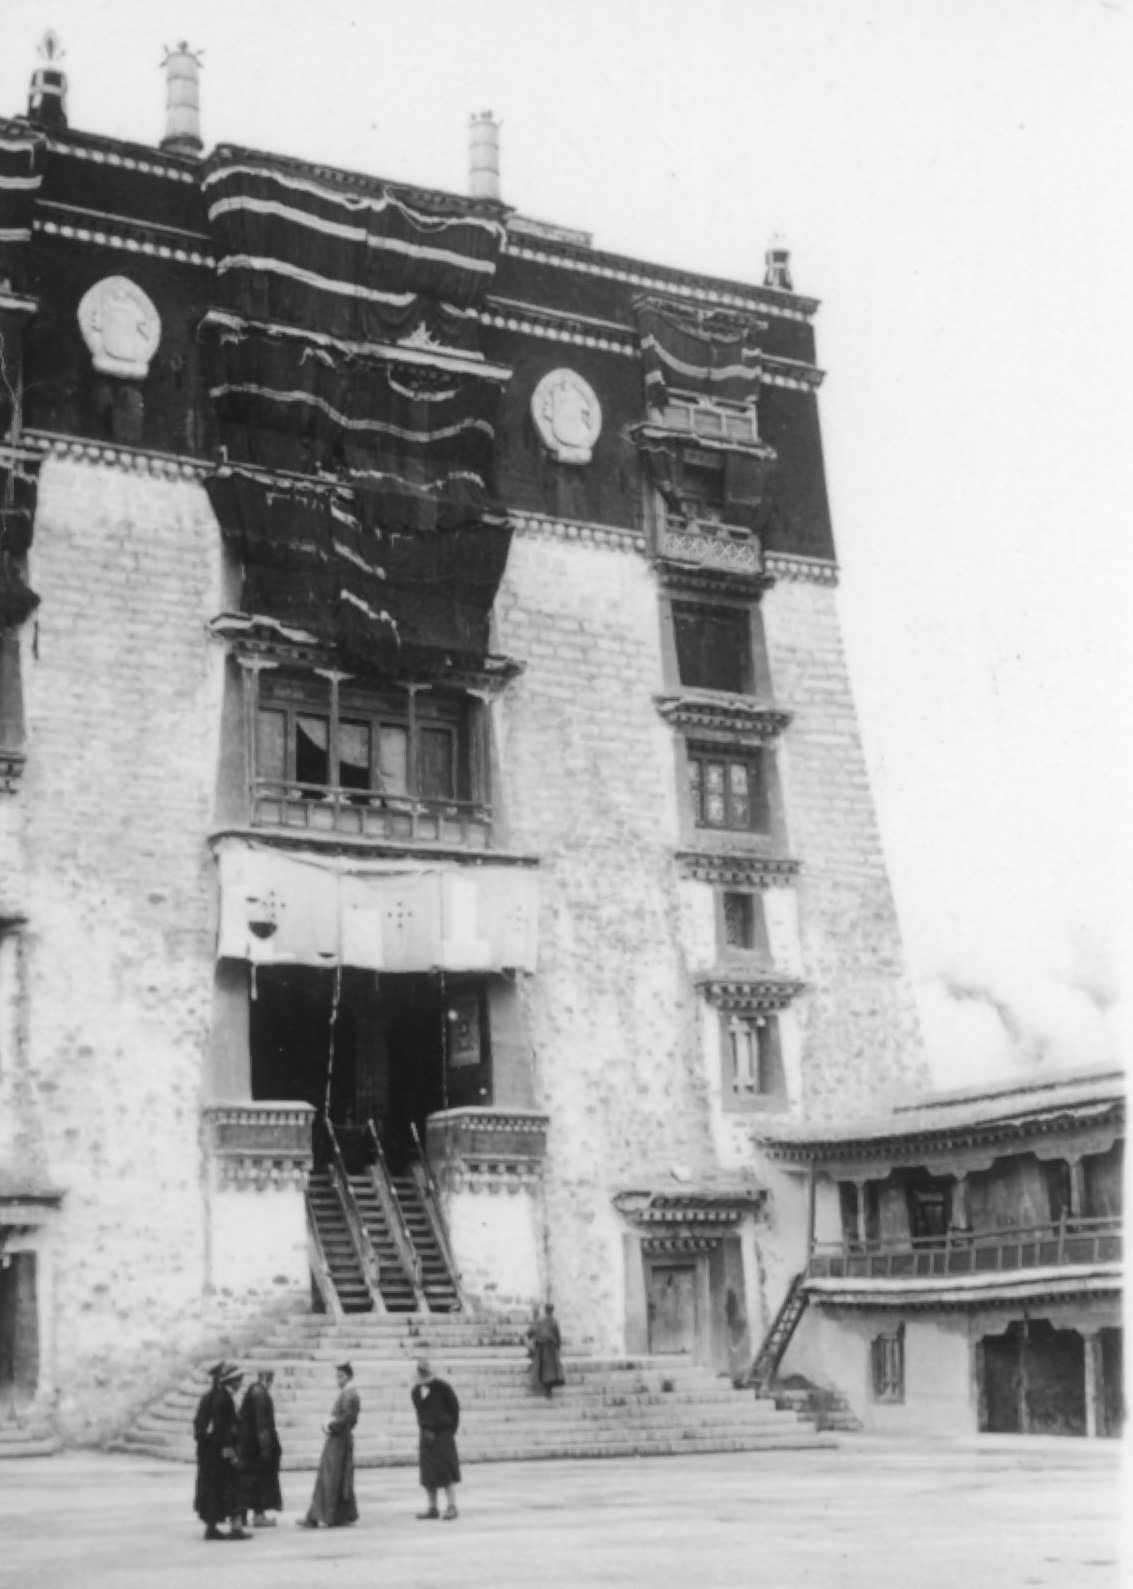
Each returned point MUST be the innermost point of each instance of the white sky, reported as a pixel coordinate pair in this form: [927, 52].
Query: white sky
[954, 179]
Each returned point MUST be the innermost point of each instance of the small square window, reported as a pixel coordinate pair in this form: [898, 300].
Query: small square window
[727, 789]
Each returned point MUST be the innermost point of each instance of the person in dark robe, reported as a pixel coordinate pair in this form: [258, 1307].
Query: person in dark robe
[546, 1352]
[438, 1419]
[260, 1452]
[333, 1502]
[216, 1429]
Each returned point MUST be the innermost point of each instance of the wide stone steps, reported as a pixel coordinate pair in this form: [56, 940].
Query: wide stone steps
[609, 1407]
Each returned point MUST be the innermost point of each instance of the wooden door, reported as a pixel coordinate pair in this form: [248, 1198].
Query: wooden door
[672, 1300]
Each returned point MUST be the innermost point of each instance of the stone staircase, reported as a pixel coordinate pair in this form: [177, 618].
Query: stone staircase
[618, 1407]
[26, 1437]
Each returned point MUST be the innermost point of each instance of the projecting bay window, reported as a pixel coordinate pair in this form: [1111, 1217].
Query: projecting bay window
[728, 788]
[335, 757]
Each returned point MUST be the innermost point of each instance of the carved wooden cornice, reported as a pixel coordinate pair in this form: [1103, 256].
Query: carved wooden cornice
[738, 871]
[117, 231]
[257, 1146]
[740, 718]
[254, 637]
[749, 995]
[717, 581]
[679, 1244]
[705, 1206]
[801, 570]
[617, 537]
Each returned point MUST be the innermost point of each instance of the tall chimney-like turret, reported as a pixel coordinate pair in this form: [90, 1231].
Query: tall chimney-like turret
[484, 156]
[47, 96]
[777, 265]
[182, 101]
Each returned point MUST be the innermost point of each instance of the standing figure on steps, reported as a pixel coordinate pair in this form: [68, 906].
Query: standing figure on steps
[216, 1429]
[438, 1419]
[260, 1452]
[333, 1502]
[546, 1346]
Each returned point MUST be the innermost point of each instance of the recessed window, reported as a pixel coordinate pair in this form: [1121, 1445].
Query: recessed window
[728, 789]
[753, 1065]
[739, 921]
[713, 647]
[887, 1364]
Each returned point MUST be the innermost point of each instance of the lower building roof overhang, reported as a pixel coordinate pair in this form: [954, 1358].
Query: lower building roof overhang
[970, 1291]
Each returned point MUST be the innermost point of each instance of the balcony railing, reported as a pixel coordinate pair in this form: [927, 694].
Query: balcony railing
[358, 813]
[966, 1252]
[709, 543]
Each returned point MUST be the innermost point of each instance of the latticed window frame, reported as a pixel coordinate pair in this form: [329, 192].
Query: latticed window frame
[753, 761]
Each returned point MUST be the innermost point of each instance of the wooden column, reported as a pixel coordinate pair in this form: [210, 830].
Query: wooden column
[1093, 1370]
[811, 1181]
[960, 1203]
[1077, 1189]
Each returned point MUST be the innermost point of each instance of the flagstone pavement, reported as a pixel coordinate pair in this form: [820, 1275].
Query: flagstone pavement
[870, 1514]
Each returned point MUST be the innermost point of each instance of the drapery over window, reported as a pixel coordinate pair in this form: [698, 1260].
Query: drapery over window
[407, 435]
[696, 350]
[22, 155]
[364, 265]
[18, 486]
[745, 481]
[336, 569]
[295, 909]
[411, 552]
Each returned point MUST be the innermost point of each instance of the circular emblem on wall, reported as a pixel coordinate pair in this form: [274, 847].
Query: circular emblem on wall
[120, 326]
[567, 415]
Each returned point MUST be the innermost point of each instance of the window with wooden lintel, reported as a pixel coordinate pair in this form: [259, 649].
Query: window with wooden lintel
[887, 1365]
[728, 788]
[753, 1061]
[355, 746]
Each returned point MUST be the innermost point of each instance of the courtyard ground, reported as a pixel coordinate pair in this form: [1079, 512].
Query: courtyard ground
[871, 1514]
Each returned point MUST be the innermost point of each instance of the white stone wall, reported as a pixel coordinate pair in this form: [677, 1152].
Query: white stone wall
[626, 1055]
[861, 1038]
[497, 1240]
[122, 693]
[833, 1350]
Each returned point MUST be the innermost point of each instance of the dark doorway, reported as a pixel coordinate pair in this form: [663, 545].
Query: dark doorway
[404, 1046]
[1034, 1380]
[19, 1332]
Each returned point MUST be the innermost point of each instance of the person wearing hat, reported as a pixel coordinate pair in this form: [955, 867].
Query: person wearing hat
[438, 1419]
[260, 1452]
[333, 1502]
[216, 1429]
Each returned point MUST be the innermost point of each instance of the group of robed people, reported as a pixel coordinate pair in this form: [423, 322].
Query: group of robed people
[238, 1453]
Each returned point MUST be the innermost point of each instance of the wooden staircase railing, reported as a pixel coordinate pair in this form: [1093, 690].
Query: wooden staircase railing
[427, 1186]
[778, 1337]
[320, 1270]
[359, 1236]
[408, 1256]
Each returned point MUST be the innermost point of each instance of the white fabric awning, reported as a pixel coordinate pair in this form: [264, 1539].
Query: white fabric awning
[280, 908]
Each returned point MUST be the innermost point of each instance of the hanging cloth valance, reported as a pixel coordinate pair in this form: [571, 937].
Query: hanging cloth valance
[18, 489]
[346, 573]
[285, 404]
[22, 157]
[360, 264]
[293, 909]
[696, 351]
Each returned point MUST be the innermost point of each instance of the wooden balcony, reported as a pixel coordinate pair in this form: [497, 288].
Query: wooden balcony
[964, 1252]
[361, 814]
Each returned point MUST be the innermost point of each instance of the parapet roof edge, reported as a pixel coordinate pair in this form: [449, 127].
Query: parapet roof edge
[569, 254]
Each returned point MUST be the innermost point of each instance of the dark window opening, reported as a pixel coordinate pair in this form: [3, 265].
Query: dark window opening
[373, 746]
[887, 1363]
[929, 1202]
[728, 789]
[713, 647]
[739, 921]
